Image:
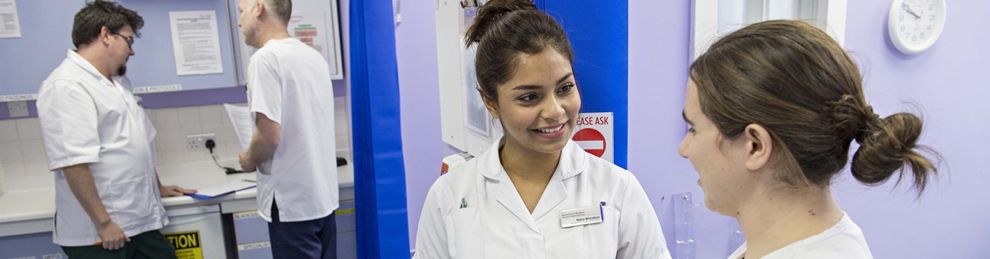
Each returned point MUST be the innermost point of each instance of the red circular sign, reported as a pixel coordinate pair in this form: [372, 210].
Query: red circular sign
[589, 140]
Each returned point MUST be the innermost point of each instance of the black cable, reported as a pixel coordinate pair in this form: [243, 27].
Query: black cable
[210, 144]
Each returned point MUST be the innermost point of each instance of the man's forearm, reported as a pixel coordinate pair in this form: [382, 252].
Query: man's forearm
[260, 149]
[265, 140]
[80, 180]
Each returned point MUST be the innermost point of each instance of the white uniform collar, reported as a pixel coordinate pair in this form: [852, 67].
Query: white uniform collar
[573, 161]
[85, 65]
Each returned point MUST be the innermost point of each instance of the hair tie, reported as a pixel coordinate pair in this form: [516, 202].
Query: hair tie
[868, 127]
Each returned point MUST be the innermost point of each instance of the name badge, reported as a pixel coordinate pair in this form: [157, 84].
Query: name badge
[581, 216]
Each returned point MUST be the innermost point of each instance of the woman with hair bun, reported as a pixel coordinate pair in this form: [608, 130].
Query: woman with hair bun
[772, 110]
[534, 193]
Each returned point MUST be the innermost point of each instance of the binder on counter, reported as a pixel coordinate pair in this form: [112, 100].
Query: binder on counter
[223, 189]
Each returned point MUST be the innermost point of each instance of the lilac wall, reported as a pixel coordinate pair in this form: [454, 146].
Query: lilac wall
[416, 54]
[946, 84]
[659, 47]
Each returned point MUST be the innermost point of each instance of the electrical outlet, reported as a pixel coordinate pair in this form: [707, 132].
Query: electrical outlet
[198, 141]
[17, 109]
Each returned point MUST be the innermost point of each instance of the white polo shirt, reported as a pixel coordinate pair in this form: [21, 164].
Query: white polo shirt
[289, 82]
[88, 119]
[474, 211]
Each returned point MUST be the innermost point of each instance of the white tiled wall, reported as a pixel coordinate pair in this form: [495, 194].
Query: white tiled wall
[23, 164]
[21, 151]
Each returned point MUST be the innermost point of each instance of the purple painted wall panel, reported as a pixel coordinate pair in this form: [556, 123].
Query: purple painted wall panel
[416, 53]
[232, 94]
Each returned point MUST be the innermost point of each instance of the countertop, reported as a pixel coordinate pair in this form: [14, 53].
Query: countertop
[36, 205]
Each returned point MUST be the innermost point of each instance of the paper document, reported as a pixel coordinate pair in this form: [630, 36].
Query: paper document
[310, 29]
[222, 189]
[196, 42]
[10, 25]
[241, 119]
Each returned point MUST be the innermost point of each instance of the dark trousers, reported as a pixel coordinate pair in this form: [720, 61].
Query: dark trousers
[151, 244]
[315, 238]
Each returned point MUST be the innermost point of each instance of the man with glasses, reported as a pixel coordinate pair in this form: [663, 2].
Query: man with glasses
[99, 144]
[129, 39]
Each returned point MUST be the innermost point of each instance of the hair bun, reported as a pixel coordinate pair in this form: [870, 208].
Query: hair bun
[890, 145]
[490, 14]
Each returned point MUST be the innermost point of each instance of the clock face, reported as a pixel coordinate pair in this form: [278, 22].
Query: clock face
[915, 24]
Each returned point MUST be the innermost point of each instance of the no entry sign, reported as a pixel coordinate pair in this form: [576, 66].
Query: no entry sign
[594, 133]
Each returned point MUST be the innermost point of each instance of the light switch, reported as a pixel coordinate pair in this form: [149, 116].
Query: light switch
[17, 109]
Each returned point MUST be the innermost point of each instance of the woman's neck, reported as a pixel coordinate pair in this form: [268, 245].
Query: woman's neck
[776, 218]
[527, 164]
[529, 171]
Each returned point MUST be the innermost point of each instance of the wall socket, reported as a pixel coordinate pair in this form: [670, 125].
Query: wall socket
[198, 141]
[17, 109]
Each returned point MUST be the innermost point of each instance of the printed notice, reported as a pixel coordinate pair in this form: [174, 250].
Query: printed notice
[10, 25]
[311, 30]
[196, 42]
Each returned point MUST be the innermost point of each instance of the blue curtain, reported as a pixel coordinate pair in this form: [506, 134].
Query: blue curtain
[379, 176]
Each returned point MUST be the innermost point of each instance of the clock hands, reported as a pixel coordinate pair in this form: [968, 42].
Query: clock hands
[908, 8]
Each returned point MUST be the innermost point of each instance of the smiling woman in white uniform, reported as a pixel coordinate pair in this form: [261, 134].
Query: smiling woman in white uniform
[772, 109]
[534, 194]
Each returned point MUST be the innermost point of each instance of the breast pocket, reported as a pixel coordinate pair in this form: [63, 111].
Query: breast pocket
[464, 233]
[605, 235]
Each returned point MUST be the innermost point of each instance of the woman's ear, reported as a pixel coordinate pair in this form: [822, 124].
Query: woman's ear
[759, 146]
[490, 104]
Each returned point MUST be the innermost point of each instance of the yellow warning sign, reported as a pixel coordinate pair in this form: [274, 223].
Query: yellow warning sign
[187, 245]
[345, 211]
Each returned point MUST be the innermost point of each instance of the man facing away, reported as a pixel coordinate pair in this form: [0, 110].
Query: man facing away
[291, 97]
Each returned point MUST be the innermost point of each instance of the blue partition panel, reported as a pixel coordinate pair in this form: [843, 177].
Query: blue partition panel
[599, 33]
[380, 191]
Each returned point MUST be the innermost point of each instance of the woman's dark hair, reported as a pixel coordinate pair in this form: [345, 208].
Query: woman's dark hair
[97, 14]
[798, 83]
[504, 29]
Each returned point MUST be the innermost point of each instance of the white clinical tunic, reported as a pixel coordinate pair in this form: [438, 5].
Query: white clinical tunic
[89, 119]
[474, 211]
[289, 82]
[843, 240]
